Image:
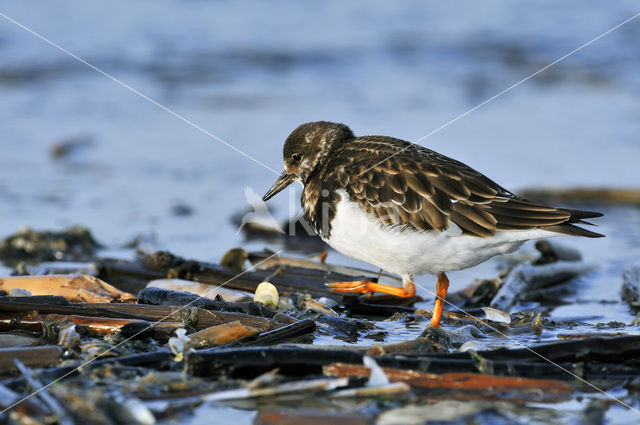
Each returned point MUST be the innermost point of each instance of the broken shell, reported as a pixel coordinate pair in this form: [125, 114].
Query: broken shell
[266, 294]
[264, 380]
[536, 324]
[308, 303]
[328, 302]
[137, 412]
[295, 387]
[392, 388]
[131, 410]
[470, 346]
[495, 315]
[377, 378]
[180, 344]
[68, 337]
[96, 348]
[19, 292]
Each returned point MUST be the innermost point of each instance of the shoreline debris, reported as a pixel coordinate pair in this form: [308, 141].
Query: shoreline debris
[276, 337]
[79, 288]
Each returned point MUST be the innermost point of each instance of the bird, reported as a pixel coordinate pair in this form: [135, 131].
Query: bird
[408, 209]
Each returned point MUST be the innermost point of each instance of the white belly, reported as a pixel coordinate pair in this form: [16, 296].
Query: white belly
[408, 252]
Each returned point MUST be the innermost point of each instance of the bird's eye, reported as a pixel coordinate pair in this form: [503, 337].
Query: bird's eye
[296, 157]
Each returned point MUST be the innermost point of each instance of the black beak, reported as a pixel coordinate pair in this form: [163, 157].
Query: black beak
[283, 181]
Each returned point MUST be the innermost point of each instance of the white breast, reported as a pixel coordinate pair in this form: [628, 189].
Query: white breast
[409, 252]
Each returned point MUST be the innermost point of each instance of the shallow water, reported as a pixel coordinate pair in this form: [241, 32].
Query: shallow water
[251, 72]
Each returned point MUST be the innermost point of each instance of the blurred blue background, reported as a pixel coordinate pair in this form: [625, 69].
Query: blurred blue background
[250, 72]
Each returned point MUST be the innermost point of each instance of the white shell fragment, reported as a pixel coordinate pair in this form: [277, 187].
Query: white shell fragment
[328, 302]
[377, 378]
[68, 336]
[19, 292]
[321, 384]
[392, 388]
[470, 346]
[267, 294]
[496, 315]
[180, 344]
[308, 303]
[137, 413]
[377, 384]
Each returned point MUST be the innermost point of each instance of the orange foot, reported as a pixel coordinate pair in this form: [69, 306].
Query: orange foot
[365, 287]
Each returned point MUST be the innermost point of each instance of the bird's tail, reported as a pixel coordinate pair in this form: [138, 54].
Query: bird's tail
[577, 217]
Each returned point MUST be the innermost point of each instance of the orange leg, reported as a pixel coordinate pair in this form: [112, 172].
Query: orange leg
[323, 256]
[365, 286]
[441, 292]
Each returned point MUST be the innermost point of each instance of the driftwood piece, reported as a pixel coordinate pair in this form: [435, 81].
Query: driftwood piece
[295, 361]
[193, 316]
[221, 334]
[309, 417]
[298, 361]
[167, 297]
[607, 350]
[283, 334]
[374, 311]
[197, 317]
[156, 359]
[526, 278]
[201, 289]
[287, 278]
[347, 329]
[99, 325]
[18, 339]
[41, 356]
[509, 387]
[592, 358]
[79, 288]
[131, 276]
[59, 305]
[595, 358]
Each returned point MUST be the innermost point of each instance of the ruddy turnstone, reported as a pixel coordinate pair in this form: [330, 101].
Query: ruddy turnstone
[407, 209]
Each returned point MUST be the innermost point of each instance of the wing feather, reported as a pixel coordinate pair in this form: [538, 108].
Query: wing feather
[422, 189]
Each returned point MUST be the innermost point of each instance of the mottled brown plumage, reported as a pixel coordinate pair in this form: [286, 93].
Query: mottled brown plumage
[408, 185]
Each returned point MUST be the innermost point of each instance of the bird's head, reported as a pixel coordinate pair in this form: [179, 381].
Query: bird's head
[305, 149]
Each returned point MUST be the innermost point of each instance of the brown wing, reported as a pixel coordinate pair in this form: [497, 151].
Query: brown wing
[425, 190]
